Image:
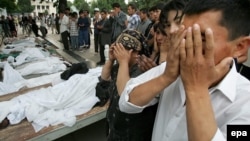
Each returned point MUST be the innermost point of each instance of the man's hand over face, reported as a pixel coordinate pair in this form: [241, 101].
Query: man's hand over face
[197, 67]
[173, 64]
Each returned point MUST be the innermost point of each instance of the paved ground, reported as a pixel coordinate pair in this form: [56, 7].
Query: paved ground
[87, 55]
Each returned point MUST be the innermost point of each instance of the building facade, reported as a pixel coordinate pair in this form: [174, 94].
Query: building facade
[45, 7]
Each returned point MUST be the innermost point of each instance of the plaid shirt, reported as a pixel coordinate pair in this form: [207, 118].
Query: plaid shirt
[73, 30]
[133, 21]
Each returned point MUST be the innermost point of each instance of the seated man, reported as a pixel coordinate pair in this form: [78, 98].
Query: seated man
[202, 92]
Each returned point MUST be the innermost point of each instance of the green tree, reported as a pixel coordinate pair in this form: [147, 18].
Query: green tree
[25, 6]
[146, 3]
[81, 4]
[107, 4]
[10, 5]
[69, 3]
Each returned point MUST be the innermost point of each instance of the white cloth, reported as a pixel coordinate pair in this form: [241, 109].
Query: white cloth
[54, 105]
[11, 79]
[230, 100]
[19, 45]
[42, 21]
[29, 55]
[47, 65]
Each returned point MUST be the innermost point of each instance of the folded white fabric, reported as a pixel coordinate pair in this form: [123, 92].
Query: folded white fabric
[11, 79]
[58, 104]
[47, 65]
[30, 54]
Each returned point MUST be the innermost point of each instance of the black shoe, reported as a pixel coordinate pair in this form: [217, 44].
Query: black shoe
[100, 63]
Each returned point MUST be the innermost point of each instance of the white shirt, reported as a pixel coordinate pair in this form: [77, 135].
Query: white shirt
[230, 100]
[64, 22]
[42, 21]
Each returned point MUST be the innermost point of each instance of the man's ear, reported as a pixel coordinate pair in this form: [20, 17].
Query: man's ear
[241, 50]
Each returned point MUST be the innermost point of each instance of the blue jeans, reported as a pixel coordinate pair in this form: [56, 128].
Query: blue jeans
[83, 37]
[74, 42]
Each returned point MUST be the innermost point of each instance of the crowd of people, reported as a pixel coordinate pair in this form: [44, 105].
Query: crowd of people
[172, 69]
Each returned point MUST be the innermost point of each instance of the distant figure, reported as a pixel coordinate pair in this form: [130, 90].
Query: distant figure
[57, 23]
[64, 22]
[134, 19]
[119, 21]
[105, 28]
[96, 20]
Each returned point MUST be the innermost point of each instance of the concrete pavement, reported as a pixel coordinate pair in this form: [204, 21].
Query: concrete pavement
[87, 55]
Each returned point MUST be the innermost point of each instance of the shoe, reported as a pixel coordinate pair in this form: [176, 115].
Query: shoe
[100, 63]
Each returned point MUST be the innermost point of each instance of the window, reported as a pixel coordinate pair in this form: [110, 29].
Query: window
[47, 7]
[43, 7]
[38, 6]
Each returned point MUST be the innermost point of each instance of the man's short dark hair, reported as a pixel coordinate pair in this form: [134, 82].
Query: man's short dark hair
[117, 5]
[144, 11]
[67, 9]
[61, 12]
[153, 8]
[132, 5]
[235, 14]
[80, 12]
[160, 5]
[104, 10]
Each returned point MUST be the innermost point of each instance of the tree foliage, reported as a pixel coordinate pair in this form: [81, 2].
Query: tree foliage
[10, 5]
[81, 4]
[25, 6]
[107, 4]
[145, 3]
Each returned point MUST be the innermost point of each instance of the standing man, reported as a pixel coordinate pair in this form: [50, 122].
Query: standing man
[43, 28]
[134, 19]
[201, 90]
[83, 24]
[119, 21]
[57, 23]
[64, 22]
[96, 20]
[53, 22]
[105, 28]
[144, 23]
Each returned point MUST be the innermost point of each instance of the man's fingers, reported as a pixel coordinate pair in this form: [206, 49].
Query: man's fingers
[189, 43]
[183, 55]
[197, 40]
[209, 50]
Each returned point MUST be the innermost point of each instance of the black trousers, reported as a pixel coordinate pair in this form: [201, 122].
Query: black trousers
[102, 57]
[96, 39]
[65, 41]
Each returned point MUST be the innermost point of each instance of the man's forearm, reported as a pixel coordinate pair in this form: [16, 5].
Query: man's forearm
[106, 70]
[201, 123]
[144, 93]
[122, 77]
